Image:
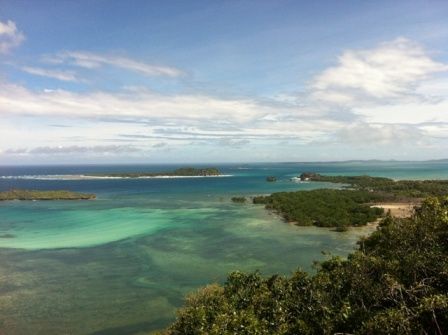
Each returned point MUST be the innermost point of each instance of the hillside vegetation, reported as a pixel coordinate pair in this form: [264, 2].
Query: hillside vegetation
[395, 283]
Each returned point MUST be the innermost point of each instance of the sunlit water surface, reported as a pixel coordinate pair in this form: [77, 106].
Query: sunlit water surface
[123, 263]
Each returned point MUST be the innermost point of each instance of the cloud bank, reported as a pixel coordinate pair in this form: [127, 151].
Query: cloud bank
[391, 95]
[75, 149]
[388, 74]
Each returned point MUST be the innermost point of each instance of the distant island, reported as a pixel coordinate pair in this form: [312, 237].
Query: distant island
[181, 172]
[398, 188]
[16, 194]
[239, 200]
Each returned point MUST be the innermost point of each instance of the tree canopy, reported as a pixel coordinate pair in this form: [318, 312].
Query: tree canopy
[324, 208]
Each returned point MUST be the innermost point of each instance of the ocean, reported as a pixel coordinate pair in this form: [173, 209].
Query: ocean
[123, 263]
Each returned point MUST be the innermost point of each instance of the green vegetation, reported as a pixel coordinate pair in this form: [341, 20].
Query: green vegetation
[395, 283]
[44, 195]
[271, 178]
[400, 188]
[324, 208]
[347, 207]
[240, 200]
[181, 172]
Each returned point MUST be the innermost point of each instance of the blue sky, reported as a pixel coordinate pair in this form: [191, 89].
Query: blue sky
[209, 81]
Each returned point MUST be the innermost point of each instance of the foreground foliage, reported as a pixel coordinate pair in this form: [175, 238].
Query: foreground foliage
[43, 195]
[324, 208]
[395, 283]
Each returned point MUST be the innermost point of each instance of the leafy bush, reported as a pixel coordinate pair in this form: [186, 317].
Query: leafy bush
[240, 200]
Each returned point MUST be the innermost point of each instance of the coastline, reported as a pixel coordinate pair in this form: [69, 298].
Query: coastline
[135, 233]
[398, 209]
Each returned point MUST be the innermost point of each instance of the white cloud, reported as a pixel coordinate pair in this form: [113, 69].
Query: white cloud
[15, 99]
[142, 120]
[387, 74]
[364, 134]
[410, 113]
[10, 36]
[92, 60]
[76, 149]
[391, 91]
[103, 150]
[56, 74]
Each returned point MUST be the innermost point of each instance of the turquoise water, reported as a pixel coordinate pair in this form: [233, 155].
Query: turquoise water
[122, 264]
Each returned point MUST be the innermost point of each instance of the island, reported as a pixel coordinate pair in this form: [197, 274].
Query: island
[239, 200]
[16, 194]
[324, 207]
[398, 188]
[361, 200]
[271, 178]
[181, 172]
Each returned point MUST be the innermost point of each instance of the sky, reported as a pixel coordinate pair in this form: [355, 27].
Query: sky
[222, 81]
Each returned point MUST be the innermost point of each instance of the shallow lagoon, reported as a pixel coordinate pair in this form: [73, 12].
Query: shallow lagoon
[122, 264]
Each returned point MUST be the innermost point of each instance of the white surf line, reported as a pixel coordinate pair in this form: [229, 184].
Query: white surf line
[91, 177]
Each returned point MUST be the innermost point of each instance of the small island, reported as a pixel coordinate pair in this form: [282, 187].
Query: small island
[16, 194]
[239, 200]
[324, 207]
[181, 172]
[271, 179]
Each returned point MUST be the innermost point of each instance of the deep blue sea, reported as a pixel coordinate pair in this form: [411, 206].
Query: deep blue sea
[122, 264]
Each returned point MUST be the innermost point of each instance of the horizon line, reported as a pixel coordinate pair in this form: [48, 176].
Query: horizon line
[231, 163]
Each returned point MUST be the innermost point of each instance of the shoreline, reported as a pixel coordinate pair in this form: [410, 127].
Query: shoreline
[398, 209]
